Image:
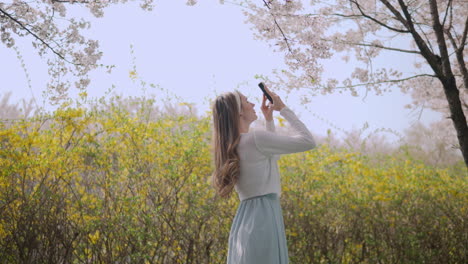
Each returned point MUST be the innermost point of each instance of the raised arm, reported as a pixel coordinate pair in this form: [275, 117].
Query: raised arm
[268, 113]
[270, 143]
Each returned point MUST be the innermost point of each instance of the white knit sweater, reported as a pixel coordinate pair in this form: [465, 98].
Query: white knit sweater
[259, 152]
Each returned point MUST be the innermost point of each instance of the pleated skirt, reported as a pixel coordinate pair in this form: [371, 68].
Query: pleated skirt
[257, 233]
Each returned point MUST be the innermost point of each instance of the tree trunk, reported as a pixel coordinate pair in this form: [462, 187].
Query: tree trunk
[457, 115]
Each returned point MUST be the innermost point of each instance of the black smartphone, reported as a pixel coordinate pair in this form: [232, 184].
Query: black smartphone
[262, 86]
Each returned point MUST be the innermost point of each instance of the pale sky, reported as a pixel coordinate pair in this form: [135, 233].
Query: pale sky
[196, 52]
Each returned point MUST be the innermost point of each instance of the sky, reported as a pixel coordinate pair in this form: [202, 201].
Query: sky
[197, 52]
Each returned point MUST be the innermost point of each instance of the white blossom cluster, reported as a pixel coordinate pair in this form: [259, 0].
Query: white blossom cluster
[57, 37]
[295, 34]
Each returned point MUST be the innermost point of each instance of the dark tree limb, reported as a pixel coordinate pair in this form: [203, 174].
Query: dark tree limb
[431, 58]
[397, 14]
[449, 83]
[439, 32]
[449, 4]
[377, 21]
[460, 58]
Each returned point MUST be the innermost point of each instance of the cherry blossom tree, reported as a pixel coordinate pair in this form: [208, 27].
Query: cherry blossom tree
[57, 37]
[434, 32]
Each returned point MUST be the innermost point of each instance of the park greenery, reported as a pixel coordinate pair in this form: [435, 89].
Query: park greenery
[123, 181]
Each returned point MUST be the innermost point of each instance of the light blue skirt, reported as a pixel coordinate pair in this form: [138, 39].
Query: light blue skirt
[257, 233]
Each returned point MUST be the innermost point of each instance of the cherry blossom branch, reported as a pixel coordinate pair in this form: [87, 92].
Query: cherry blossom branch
[387, 81]
[380, 46]
[36, 36]
[346, 16]
[425, 51]
[408, 23]
[377, 21]
[425, 37]
[72, 1]
[281, 30]
[237, 4]
[396, 13]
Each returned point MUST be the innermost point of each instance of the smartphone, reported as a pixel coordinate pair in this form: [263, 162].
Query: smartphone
[262, 86]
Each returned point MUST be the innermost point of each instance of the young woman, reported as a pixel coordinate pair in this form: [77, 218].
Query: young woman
[247, 162]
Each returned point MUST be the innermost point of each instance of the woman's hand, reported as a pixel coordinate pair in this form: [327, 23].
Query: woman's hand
[268, 109]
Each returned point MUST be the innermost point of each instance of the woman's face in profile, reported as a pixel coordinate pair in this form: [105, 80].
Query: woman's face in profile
[248, 111]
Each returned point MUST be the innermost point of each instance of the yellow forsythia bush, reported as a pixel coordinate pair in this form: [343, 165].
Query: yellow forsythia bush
[114, 186]
[339, 208]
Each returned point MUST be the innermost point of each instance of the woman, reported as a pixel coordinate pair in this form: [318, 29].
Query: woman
[247, 162]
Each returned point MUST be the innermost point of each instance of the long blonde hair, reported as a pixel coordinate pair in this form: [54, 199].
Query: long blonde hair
[226, 136]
